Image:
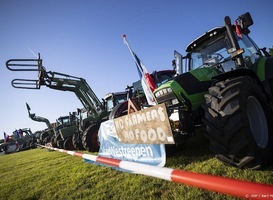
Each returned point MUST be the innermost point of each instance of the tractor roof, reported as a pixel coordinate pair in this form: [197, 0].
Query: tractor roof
[195, 44]
[111, 94]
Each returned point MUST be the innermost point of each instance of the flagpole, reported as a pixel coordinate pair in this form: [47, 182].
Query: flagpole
[129, 47]
[134, 57]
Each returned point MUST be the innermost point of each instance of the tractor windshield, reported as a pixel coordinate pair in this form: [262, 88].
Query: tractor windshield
[161, 77]
[212, 54]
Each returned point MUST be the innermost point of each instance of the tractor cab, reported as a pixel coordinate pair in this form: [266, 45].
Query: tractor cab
[221, 46]
[112, 99]
[213, 49]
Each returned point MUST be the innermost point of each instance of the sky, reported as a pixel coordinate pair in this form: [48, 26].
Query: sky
[83, 38]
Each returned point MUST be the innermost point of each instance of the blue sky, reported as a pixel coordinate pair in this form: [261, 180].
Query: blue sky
[84, 38]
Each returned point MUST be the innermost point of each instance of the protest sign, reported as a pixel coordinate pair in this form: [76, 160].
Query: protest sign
[147, 126]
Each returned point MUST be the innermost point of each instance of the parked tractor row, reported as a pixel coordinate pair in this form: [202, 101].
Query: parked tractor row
[223, 84]
[79, 130]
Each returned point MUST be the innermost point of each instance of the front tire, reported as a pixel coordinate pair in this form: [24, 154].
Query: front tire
[90, 138]
[43, 136]
[59, 141]
[238, 119]
[119, 110]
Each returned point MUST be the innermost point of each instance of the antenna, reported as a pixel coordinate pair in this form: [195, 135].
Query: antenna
[36, 56]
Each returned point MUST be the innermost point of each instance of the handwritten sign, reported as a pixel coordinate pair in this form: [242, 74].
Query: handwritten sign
[147, 126]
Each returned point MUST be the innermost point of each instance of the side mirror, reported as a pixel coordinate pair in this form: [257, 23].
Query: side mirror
[177, 63]
[245, 21]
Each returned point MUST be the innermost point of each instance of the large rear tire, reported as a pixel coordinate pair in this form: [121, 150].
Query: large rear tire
[68, 145]
[77, 141]
[239, 119]
[90, 138]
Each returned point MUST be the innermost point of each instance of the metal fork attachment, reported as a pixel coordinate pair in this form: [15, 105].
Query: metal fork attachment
[27, 65]
[25, 83]
[24, 64]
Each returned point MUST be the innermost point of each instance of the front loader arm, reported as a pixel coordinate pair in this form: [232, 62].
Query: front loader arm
[38, 118]
[79, 86]
[55, 80]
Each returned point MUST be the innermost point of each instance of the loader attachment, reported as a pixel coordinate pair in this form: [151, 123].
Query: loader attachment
[27, 65]
[24, 64]
[25, 84]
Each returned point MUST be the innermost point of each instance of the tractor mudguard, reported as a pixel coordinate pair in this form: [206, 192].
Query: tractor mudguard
[237, 73]
[263, 75]
[193, 85]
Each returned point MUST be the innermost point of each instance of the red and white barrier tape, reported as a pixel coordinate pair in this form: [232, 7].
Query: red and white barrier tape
[223, 185]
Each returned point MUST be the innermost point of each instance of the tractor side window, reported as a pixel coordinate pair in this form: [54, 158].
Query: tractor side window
[66, 121]
[109, 104]
[196, 60]
[251, 54]
[120, 98]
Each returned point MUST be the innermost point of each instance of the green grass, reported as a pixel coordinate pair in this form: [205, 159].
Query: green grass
[42, 174]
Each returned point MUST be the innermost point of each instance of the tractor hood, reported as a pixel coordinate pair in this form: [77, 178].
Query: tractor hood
[187, 89]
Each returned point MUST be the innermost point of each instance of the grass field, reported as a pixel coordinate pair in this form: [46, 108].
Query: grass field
[42, 174]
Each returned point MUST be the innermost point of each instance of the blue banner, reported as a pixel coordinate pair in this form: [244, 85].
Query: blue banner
[110, 147]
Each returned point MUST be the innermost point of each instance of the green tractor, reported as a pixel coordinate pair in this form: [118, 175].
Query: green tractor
[65, 128]
[94, 111]
[59, 135]
[226, 85]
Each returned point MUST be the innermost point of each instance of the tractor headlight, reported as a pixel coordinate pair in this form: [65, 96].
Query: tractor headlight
[163, 92]
[166, 96]
[175, 101]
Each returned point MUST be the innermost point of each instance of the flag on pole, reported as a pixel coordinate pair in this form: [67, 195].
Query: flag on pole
[238, 30]
[147, 82]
